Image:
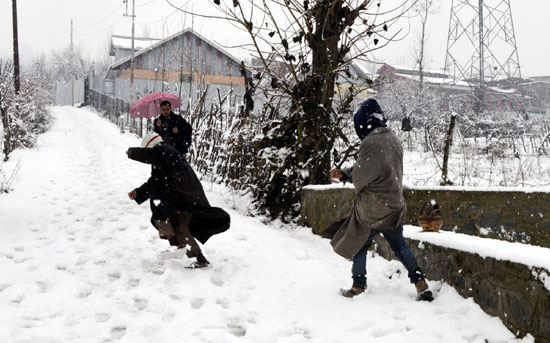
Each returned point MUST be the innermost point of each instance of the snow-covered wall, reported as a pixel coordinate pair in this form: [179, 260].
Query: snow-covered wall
[511, 214]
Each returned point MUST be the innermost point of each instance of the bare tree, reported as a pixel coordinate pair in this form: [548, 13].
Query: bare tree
[302, 46]
[424, 8]
[67, 64]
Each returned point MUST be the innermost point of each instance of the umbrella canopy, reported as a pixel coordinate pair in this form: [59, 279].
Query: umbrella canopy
[149, 105]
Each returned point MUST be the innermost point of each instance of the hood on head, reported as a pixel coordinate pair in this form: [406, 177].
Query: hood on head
[368, 117]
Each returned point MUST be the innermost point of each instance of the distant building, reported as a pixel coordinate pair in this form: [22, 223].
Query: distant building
[184, 64]
[538, 90]
[505, 95]
[358, 77]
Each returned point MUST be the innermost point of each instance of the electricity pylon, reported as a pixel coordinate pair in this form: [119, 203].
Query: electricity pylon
[481, 44]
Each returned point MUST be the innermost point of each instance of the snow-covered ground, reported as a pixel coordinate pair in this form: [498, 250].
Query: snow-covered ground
[79, 262]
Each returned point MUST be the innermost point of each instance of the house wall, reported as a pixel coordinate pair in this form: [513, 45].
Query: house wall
[186, 53]
[184, 66]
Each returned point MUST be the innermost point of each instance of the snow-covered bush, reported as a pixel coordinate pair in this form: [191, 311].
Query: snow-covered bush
[24, 115]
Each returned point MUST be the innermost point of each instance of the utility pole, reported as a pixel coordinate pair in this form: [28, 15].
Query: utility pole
[132, 56]
[72, 66]
[133, 15]
[16, 76]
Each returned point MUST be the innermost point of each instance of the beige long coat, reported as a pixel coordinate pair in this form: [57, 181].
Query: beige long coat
[377, 176]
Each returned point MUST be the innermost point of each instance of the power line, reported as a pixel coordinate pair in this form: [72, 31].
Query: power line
[145, 4]
[105, 18]
[161, 19]
[103, 30]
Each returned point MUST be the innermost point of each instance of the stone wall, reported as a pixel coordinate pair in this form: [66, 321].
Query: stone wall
[510, 291]
[507, 215]
[514, 292]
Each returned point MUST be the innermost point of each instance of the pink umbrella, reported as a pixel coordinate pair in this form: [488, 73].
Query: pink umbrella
[149, 105]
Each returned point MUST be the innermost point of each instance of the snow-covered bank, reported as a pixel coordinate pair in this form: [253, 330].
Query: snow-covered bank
[81, 263]
[526, 254]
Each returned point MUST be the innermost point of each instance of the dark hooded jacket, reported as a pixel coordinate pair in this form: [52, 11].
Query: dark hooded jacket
[181, 140]
[174, 187]
[377, 176]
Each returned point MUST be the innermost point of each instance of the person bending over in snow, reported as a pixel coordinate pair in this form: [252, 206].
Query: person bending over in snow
[377, 176]
[181, 212]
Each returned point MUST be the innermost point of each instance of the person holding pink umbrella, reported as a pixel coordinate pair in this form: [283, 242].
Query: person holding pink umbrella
[173, 128]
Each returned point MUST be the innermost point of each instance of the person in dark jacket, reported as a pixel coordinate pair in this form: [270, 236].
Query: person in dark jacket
[379, 207]
[173, 129]
[180, 210]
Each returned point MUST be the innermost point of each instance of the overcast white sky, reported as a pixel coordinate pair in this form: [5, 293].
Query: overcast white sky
[45, 26]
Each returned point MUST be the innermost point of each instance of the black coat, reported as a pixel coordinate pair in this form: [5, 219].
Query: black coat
[174, 187]
[181, 140]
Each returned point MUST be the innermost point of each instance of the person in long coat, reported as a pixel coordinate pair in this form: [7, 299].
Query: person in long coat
[173, 128]
[180, 210]
[379, 207]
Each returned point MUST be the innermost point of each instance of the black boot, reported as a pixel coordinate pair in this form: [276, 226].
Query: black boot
[201, 262]
[422, 291]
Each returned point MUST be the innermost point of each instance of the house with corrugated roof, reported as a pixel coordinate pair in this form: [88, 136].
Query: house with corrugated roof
[184, 64]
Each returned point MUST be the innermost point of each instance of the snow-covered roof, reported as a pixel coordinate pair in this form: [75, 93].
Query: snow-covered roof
[414, 69]
[437, 80]
[505, 91]
[125, 42]
[160, 42]
[363, 69]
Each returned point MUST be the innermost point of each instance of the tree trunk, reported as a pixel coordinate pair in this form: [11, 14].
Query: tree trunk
[314, 97]
[7, 135]
[447, 149]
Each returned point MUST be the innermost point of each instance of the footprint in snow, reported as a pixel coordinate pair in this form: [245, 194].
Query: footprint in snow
[141, 304]
[17, 299]
[217, 280]
[197, 303]
[224, 304]
[118, 332]
[43, 286]
[113, 276]
[83, 294]
[133, 282]
[21, 259]
[236, 330]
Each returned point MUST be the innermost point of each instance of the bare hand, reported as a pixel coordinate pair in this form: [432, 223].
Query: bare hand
[336, 174]
[175, 130]
[159, 123]
[132, 195]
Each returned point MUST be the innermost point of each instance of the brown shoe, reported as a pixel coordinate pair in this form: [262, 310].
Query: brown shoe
[350, 293]
[422, 291]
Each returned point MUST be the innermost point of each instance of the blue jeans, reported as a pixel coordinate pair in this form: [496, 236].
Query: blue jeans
[400, 249]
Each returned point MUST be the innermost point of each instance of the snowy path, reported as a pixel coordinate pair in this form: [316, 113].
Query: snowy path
[79, 262]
